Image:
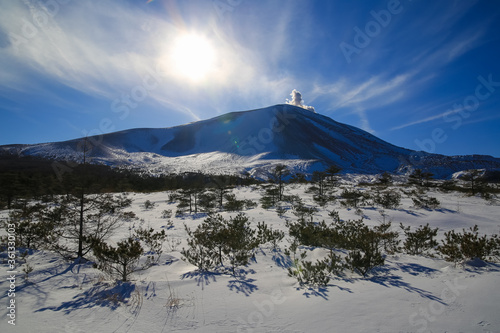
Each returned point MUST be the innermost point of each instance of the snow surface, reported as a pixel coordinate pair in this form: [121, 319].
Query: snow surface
[407, 294]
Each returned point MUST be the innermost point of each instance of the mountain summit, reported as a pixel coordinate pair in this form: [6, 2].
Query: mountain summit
[253, 141]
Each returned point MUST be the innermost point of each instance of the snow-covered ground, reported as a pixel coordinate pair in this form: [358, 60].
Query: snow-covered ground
[407, 294]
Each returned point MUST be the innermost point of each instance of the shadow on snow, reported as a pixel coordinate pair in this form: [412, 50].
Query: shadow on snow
[240, 281]
[102, 295]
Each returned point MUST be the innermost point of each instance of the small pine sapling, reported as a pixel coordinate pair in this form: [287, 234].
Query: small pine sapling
[420, 240]
[366, 255]
[459, 247]
[266, 234]
[121, 260]
[148, 204]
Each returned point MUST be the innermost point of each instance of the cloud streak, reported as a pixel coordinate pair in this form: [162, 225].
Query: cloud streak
[359, 97]
[427, 119]
[105, 49]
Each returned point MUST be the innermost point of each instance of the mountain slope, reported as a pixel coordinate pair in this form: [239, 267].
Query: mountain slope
[254, 141]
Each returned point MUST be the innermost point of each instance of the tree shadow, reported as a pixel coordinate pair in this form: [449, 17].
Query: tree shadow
[344, 288]
[241, 282]
[479, 266]
[397, 281]
[33, 287]
[444, 210]
[101, 295]
[35, 290]
[196, 216]
[411, 212]
[281, 260]
[415, 269]
[317, 292]
[202, 278]
[322, 291]
[169, 260]
[190, 216]
[242, 285]
[168, 227]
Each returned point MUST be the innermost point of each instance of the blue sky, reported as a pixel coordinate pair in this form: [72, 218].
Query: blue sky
[423, 75]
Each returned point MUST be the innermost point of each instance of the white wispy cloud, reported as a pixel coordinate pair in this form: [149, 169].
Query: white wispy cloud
[67, 49]
[439, 44]
[105, 49]
[360, 97]
[464, 44]
[426, 120]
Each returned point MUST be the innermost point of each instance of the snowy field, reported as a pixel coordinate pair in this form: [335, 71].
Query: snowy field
[407, 294]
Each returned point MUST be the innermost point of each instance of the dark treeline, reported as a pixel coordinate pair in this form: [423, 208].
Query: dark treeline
[36, 178]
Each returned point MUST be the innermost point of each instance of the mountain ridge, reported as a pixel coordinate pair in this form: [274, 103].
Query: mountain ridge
[254, 141]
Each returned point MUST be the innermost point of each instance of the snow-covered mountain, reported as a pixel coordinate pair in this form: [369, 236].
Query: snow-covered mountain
[254, 141]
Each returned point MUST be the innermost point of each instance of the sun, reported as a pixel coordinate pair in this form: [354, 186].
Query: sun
[192, 57]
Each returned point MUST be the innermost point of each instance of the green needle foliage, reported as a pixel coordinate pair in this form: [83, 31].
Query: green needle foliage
[217, 242]
[419, 241]
[458, 247]
[124, 259]
[121, 260]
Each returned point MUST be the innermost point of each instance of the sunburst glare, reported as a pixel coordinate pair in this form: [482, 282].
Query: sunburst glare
[192, 57]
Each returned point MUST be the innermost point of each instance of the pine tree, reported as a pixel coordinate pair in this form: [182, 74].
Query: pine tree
[124, 259]
[278, 175]
[473, 177]
[420, 178]
[77, 221]
[121, 260]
